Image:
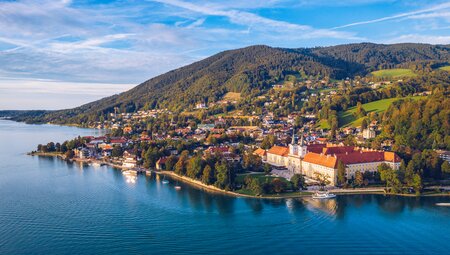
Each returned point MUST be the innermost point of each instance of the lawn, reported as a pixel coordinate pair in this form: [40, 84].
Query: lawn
[445, 68]
[261, 177]
[347, 119]
[323, 124]
[232, 96]
[394, 73]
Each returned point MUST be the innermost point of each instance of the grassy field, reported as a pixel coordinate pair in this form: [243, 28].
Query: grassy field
[232, 96]
[261, 177]
[347, 119]
[394, 73]
[445, 68]
[323, 124]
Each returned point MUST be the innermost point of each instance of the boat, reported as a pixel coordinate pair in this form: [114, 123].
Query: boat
[164, 181]
[323, 195]
[177, 187]
[443, 204]
[96, 164]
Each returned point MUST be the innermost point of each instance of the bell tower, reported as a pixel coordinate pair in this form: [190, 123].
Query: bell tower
[303, 147]
[293, 147]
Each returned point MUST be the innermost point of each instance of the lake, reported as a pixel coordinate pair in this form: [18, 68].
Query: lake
[48, 206]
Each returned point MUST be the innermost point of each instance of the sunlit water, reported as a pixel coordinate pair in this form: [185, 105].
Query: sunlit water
[50, 206]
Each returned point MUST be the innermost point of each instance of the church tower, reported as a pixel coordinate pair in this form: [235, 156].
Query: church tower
[303, 148]
[293, 147]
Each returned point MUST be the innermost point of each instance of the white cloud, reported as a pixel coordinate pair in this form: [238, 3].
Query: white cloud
[438, 7]
[417, 38]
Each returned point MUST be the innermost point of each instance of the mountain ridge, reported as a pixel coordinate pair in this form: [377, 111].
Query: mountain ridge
[249, 70]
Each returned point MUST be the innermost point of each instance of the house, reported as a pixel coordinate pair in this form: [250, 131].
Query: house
[445, 155]
[129, 160]
[354, 159]
[368, 133]
[161, 163]
[261, 153]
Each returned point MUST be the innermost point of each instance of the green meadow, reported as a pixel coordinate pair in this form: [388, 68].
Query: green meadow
[347, 118]
[393, 73]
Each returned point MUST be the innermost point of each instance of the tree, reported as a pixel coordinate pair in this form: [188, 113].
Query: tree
[170, 162]
[323, 179]
[341, 173]
[298, 181]
[268, 141]
[69, 154]
[223, 178]
[117, 151]
[254, 185]
[251, 162]
[208, 175]
[180, 166]
[445, 167]
[390, 177]
[359, 179]
[194, 167]
[278, 185]
[364, 124]
[417, 184]
[150, 157]
[267, 168]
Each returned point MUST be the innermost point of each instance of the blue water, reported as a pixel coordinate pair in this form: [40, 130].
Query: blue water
[48, 206]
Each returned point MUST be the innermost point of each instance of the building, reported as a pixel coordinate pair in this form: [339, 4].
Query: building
[368, 133]
[161, 163]
[353, 158]
[289, 157]
[445, 155]
[129, 160]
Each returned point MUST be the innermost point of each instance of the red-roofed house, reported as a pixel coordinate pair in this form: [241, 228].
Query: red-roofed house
[353, 159]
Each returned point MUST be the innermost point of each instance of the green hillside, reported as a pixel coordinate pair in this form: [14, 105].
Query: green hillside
[394, 73]
[249, 71]
[348, 119]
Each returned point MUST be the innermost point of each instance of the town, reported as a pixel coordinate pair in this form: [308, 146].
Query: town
[289, 139]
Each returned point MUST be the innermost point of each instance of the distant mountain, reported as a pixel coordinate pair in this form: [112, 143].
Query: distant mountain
[248, 70]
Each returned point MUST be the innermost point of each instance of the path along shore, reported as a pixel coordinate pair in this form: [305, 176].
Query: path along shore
[213, 189]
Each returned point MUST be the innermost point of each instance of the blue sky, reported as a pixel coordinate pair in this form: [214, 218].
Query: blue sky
[59, 54]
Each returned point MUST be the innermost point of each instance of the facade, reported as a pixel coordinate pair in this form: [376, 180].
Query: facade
[357, 160]
[323, 159]
[129, 160]
[368, 133]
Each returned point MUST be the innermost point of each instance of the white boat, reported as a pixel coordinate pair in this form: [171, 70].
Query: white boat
[164, 181]
[177, 187]
[323, 195]
[96, 164]
[443, 204]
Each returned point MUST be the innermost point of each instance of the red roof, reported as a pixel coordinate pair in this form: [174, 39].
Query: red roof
[316, 148]
[279, 150]
[338, 150]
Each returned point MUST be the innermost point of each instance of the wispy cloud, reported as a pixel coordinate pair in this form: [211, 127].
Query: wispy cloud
[127, 42]
[412, 14]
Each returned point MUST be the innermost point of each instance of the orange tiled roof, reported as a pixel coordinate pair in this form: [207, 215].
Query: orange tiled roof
[279, 150]
[320, 159]
[390, 156]
[260, 152]
[338, 150]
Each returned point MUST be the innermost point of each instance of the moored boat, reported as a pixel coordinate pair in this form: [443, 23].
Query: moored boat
[323, 195]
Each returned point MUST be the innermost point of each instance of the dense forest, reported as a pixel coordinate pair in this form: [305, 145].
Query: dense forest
[250, 71]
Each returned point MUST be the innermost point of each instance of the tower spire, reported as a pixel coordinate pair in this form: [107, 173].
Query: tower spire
[293, 136]
[302, 143]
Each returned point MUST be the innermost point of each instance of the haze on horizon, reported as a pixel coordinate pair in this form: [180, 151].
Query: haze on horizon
[61, 54]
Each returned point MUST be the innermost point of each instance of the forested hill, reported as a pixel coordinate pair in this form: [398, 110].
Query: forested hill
[251, 70]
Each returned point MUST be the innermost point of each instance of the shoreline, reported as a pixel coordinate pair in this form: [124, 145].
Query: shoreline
[212, 189]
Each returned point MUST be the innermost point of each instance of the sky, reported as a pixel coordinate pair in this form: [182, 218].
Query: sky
[61, 54]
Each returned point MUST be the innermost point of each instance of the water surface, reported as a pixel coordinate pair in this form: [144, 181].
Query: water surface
[48, 206]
